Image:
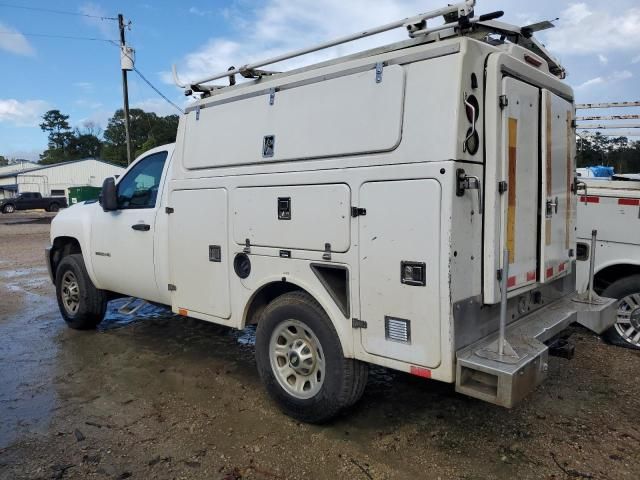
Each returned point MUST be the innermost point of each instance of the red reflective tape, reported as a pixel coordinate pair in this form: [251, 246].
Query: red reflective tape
[628, 201]
[549, 272]
[420, 372]
[531, 276]
[590, 199]
[511, 281]
[561, 267]
[183, 311]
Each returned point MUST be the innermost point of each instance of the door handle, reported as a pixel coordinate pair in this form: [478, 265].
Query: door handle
[143, 227]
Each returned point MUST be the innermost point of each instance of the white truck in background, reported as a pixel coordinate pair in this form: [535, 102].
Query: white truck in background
[381, 208]
[612, 208]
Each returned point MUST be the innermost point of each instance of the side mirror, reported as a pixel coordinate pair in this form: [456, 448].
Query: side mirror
[109, 195]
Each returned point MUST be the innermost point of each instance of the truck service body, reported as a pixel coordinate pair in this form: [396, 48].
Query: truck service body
[612, 208]
[373, 196]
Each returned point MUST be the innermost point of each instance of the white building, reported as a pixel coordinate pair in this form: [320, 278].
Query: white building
[55, 180]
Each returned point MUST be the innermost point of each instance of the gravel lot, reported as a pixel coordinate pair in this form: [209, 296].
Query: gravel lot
[162, 396]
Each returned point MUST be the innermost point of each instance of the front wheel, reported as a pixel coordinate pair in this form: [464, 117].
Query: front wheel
[9, 208]
[626, 331]
[81, 304]
[301, 362]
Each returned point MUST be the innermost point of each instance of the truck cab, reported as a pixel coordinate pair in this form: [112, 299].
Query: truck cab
[411, 206]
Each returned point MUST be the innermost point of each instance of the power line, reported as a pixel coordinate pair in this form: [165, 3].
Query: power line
[156, 90]
[51, 35]
[59, 12]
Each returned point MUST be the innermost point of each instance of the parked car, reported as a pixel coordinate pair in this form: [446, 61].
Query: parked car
[612, 207]
[32, 201]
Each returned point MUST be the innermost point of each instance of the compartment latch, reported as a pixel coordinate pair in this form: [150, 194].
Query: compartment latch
[468, 182]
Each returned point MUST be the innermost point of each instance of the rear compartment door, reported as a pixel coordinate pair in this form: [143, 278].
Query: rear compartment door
[520, 157]
[401, 229]
[557, 202]
[199, 257]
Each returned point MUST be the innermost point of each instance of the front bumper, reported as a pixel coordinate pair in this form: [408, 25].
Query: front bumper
[505, 380]
[48, 261]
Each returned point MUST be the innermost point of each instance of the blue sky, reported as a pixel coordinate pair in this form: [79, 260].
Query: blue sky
[599, 46]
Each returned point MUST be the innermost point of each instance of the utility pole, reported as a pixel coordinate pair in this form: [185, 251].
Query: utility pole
[125, 87]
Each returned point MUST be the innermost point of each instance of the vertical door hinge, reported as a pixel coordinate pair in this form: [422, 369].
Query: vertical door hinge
[379, 68]
[503, 101]
[355, 323]
[168, 210]
[358, 212]
[247, 246]
[197, 113]
[171, 287]
[327, 252]
[503, 186]
[272, 96]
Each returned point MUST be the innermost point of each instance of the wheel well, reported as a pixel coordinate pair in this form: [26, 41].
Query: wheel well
[264, 296]
[608, 275]
[63, 246]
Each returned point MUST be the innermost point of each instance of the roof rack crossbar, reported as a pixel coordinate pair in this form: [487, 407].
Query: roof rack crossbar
[464, 10]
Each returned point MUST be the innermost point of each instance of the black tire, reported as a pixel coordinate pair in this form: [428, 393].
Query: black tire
[8, 208]
[54, 207]
[91, 303]
[622, 289]
[344, 378]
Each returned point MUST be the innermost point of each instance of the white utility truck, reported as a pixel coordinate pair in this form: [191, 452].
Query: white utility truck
[612, 209]
[410, 206]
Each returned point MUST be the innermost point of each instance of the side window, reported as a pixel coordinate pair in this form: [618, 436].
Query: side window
[139, 187]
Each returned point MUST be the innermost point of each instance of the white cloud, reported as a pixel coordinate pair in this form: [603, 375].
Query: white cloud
[583, 30]
[614, 77]
[157, 106]
[199, 12]
[22, 114]
[13, 41]
[106, 27]
[86, 86]
[635, 59]
[285, 25]
[602, 59]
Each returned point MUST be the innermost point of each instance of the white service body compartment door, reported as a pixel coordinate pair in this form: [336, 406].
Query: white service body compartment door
[198, 251]
[402, 224]
[520, 153]
[299, 217]
[347, 115]
[558, 203]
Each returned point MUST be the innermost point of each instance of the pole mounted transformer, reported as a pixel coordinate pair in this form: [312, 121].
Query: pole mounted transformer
[127, 58]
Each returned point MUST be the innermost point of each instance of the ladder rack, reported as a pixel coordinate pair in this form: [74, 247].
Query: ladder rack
[459, 19]
[605, 121]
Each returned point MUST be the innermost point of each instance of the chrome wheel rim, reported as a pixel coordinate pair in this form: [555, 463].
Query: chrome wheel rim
[8, 209]
[297, 359]
[70, 293]
[628, 322]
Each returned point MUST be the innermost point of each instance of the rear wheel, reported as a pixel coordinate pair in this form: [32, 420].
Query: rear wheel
[81, 304]
[301, 362]
[54, 207]
[626, 331]
[9, 208]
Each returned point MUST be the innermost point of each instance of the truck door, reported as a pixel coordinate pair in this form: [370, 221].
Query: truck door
[199, 255]
[557, 202]
[122, 242]
[512, 211]
[400, 270]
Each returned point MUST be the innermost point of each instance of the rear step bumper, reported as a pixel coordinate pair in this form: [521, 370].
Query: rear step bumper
[481, 373]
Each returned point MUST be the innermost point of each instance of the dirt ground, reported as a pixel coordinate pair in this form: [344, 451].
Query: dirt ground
[166, 397]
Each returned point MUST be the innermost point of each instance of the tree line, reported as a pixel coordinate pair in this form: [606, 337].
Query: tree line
[146, 130]
[618, 152]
